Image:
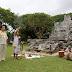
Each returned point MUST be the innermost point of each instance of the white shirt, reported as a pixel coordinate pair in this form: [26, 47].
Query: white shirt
[3, 37]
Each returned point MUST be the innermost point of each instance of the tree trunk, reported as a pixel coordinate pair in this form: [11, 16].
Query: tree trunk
[39, 34]
[39, 37]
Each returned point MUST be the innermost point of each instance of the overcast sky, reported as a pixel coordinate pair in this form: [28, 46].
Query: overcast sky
[51, 7]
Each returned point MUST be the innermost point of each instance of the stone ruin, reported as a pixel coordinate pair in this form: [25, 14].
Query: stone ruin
[62, 30]
[60, 37]
[42, 45]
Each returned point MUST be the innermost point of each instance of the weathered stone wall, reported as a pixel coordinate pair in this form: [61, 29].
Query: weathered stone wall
[62, 30]
[42, 45]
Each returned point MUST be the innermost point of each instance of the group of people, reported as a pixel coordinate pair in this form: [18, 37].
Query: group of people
[16, 44]
[4, 43]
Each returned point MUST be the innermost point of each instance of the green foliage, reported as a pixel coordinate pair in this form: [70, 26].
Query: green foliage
[37, 21]
[58, 18]
[70, 14]
[26, 33]
[10, 36]
[7, 17]
[31, 24]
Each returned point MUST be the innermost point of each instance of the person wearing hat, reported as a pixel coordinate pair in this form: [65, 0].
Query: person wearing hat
[68, 50]
[69, 54]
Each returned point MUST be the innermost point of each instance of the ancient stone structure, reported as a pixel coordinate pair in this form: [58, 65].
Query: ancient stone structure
[62, 30]
[42, 45]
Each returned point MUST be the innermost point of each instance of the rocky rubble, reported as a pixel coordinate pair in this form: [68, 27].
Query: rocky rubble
[43, 45]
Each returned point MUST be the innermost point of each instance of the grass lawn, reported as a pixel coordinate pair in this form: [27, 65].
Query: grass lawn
[45, 64]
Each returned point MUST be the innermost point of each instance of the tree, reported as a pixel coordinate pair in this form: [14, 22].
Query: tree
[0, 24]
[70, 14]
[8, 17]
[39, 23]
[58, 18]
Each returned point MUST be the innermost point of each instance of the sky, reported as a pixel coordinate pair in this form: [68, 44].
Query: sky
[51, 7]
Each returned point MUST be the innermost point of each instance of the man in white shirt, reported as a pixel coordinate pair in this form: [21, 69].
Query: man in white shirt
[3, 43]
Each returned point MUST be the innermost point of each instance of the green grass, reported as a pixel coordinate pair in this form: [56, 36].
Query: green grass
[45, 64]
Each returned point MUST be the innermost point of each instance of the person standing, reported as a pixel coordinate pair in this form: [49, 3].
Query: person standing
[3, 43]
[16, 49]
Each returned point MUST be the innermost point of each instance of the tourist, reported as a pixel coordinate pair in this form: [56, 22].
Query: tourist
[69, 53]
[68, 50]
[3, 43]
[22, 42]
[17, 44]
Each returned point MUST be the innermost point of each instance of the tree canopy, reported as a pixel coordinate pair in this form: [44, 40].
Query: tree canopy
[6, 16]
[36, 25]
[39, 22]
